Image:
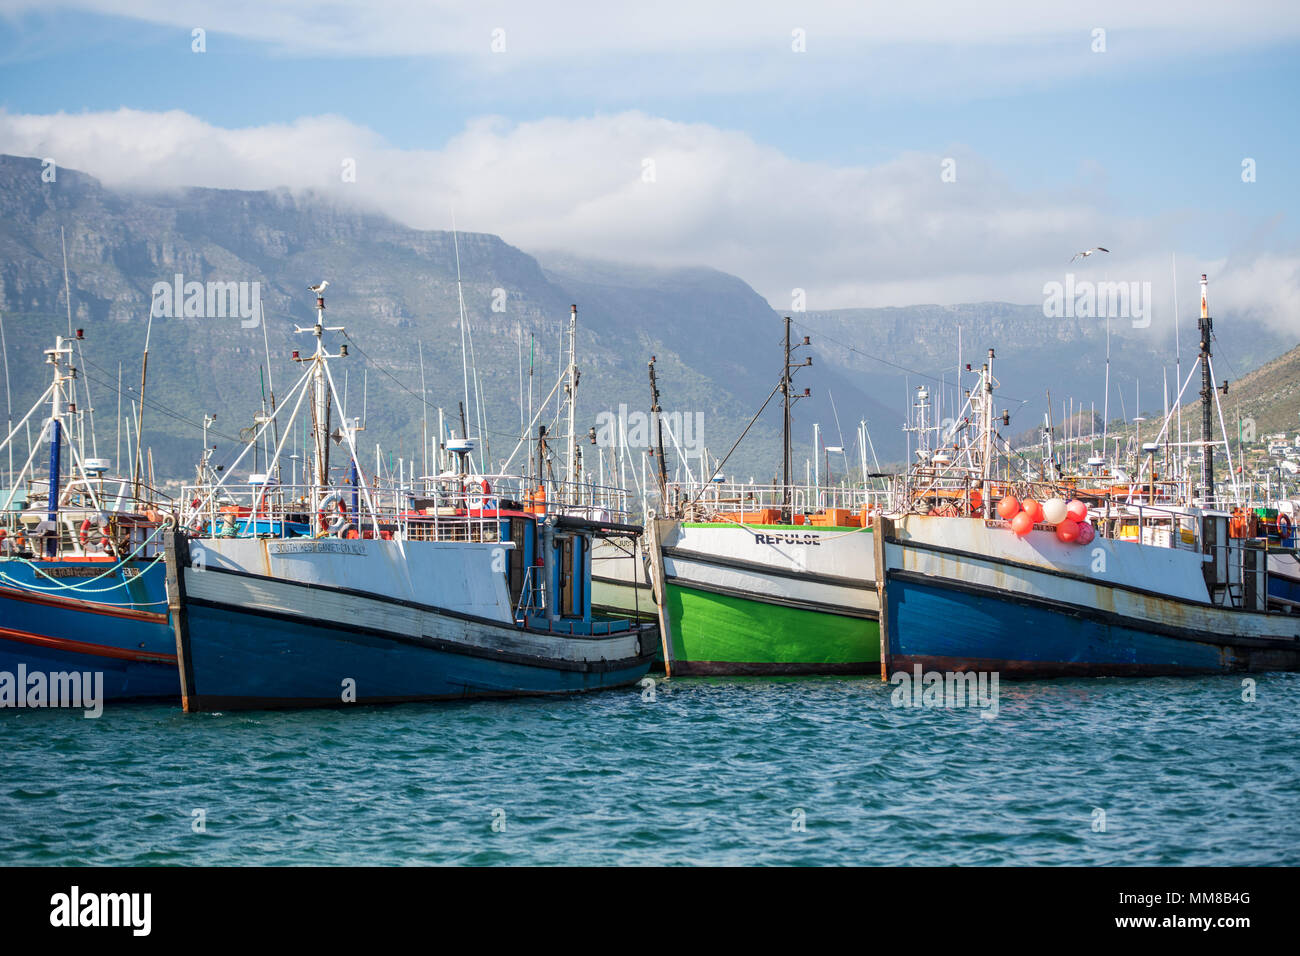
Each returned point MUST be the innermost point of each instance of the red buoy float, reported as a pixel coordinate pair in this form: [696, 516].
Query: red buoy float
[1022, 524]
[1033, 509]
[1067, 531]
[1086, 533]
[1008, 508]
[1077, 511]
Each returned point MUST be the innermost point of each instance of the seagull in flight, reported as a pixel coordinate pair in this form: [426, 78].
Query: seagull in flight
[320, 286]
[1087, 252]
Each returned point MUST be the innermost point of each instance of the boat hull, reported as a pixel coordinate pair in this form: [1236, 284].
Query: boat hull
[965, 597]
[758, 600]
[252, 641]
[114, 624]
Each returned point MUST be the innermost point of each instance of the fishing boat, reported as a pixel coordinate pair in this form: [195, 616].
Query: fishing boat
[1068, 579]
[457, 585]
[82, 584]
[754, 580]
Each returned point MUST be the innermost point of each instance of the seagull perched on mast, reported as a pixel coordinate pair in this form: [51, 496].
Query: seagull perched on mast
[1087, 252]
[319, 287]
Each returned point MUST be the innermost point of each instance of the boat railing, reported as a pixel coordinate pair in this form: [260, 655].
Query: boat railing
[750, 503]
[99, 518]
[460, 508]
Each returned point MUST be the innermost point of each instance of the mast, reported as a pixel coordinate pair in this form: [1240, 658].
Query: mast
[139, 421]
[424, 411]
[1206, 326]
[572, 389]
[785, 426]
[320, 385]
[661, 473]
[1105, 404]
[788, 399]
[53, 356]
[9, 402]
[987, 410]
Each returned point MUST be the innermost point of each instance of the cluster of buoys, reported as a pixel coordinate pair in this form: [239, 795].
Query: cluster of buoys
[1069, 517]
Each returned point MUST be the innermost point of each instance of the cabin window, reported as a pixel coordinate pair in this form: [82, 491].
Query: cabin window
[568, 584]
[515, 573]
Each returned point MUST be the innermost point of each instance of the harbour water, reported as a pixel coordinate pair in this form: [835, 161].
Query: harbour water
[711, 771]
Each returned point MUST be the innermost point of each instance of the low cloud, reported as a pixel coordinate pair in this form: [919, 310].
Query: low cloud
[635, 187]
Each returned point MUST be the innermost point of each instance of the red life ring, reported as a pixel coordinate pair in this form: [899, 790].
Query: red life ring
[83, 535]
[1284, 519]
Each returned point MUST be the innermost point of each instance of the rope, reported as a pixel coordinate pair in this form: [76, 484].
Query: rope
[66, 587]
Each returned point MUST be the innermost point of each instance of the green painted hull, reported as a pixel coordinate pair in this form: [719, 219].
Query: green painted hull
[724, 634]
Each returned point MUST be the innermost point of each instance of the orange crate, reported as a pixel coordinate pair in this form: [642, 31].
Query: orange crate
[758, 516]
[835, 518]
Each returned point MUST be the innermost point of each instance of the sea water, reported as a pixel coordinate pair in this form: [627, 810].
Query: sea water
[691, 771]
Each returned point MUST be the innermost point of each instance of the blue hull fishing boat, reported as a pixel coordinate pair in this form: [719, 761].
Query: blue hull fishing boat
[80, 615]
[967, 594]
[310, 622]
[1130, 578]
[82, 582]
[453, 586]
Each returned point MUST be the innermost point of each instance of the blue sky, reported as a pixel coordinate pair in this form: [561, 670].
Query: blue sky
[1138, 147]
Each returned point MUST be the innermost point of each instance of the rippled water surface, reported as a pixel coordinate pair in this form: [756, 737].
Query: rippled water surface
[711, 771]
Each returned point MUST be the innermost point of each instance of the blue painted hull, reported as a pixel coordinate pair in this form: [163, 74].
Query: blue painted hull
[945, 627]
[116, 625]
[237, 659]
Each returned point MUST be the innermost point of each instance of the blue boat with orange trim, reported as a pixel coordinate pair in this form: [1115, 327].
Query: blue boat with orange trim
[82, 582]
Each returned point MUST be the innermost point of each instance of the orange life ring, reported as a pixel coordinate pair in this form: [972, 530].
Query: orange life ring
[1284, 519]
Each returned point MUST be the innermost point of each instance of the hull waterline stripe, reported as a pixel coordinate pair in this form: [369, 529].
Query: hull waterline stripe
[1111, 618]
[755, 567]
[417, 606]
[82, 647]
[912, 543]
[79, 604]
[792, 603]
[597, 666]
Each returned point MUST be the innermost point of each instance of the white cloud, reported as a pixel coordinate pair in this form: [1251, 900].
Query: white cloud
[593, 48]
[590, 27]
[888, 234]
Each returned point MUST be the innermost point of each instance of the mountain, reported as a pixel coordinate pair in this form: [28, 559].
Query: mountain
[717, 341]
[1269, 396]
[902, 348]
